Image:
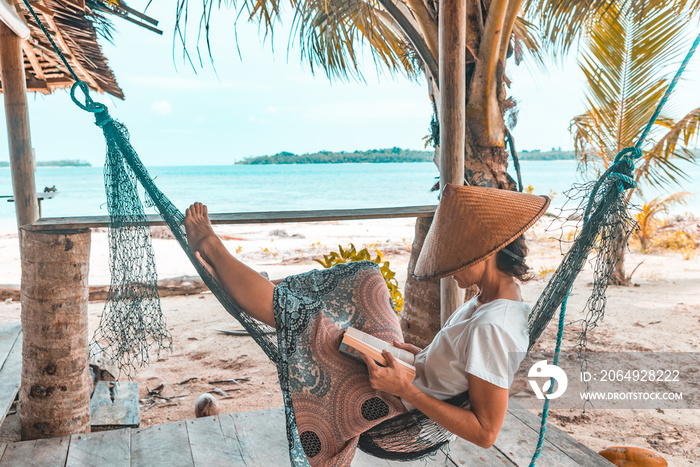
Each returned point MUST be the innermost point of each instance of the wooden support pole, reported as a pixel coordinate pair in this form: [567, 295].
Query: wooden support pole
[55, 390]
[452, 25]
[14, 89]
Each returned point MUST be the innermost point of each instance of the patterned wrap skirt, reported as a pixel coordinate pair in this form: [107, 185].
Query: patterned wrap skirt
[327, 395]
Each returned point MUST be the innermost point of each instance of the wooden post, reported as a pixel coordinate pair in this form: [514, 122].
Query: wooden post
[55, 390]
[14, 87]
[452, 25]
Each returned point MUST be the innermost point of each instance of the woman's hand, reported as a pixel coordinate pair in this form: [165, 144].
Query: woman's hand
[392, 378]
[408, 347]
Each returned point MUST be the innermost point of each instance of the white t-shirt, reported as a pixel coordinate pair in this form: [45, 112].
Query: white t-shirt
[488, 341]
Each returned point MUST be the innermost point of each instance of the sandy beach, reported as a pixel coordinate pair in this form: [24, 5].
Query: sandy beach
[660, 311]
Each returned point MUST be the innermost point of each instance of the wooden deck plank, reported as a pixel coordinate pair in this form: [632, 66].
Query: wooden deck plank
[261, 217]
[10, 376]
[8, 336]
[36, 453]
[258, 439]
[363, 459]
[578, 451]
[209, 444]
[111, 448]
[518, 441]
[161, 446]
[236, 434]
[266, 430]
[464, 453]
[115, 404]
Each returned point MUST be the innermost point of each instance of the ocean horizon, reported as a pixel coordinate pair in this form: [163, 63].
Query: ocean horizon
[290, 187]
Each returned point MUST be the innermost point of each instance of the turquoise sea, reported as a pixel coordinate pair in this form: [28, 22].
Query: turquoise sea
[241, 188]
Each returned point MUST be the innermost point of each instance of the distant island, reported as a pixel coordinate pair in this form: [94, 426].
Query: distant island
[328, 157]
[61, 163]
[553, 155]
[383, 155]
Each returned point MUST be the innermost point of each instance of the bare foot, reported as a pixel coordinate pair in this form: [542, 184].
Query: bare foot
[200, 235]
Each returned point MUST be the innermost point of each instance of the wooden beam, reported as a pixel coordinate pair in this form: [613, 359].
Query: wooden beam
[14, 87]
[452, 26]
[269, 217]
[79, 3]
[33, 60]
[13, 20]
[33, 85]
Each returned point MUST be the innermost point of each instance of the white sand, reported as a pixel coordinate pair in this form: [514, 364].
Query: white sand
[660, 312]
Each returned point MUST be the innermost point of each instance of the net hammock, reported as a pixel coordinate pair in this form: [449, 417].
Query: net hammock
[132, 322]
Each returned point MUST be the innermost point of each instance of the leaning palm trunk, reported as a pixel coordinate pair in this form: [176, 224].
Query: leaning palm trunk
[420, 317]
[619, 277]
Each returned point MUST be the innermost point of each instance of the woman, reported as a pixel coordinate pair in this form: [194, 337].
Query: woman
[475, 237]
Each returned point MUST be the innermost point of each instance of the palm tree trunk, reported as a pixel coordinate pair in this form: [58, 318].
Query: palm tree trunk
[619, 277]
[55, 392]
[420, 317]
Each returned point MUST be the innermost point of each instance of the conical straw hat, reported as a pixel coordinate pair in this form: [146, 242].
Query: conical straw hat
[470, 224]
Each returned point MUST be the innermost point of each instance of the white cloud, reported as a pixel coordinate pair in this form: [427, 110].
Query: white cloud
[162, 108]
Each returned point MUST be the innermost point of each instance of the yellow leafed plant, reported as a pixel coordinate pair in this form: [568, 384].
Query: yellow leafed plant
[646, 218]
[346, 255]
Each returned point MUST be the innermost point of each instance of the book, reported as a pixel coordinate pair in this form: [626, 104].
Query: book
[355, 341]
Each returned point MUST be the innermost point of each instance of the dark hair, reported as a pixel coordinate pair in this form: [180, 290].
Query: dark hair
[514, 265]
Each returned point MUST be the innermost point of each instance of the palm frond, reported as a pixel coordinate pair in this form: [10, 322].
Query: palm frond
[625, 66]
[590, 142]
[662, 204]
[330, 34]
[686, 129]
[561, 21]
[660, 165]
[564, 22]
[526, 42]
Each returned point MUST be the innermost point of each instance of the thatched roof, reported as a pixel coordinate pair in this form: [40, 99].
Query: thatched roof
[72, 26]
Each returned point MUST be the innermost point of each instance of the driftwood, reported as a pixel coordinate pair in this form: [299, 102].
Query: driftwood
[182, 285]
[9, 292]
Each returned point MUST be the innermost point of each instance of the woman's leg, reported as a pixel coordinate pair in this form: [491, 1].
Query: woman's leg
[252, 291]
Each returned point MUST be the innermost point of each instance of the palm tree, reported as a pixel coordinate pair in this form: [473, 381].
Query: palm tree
[403, 37]
[646, 217]
[627, 62]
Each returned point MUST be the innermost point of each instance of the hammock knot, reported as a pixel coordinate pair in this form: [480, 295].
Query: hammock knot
[89, 105]
[631, 154]
[623, 169]
[102, 118]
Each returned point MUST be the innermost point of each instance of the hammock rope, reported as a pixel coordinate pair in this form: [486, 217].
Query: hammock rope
[132, 322]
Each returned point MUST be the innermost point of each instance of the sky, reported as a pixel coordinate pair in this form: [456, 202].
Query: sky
[267, 100]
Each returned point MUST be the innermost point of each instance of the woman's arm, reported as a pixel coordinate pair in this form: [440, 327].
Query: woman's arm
[480, 424]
